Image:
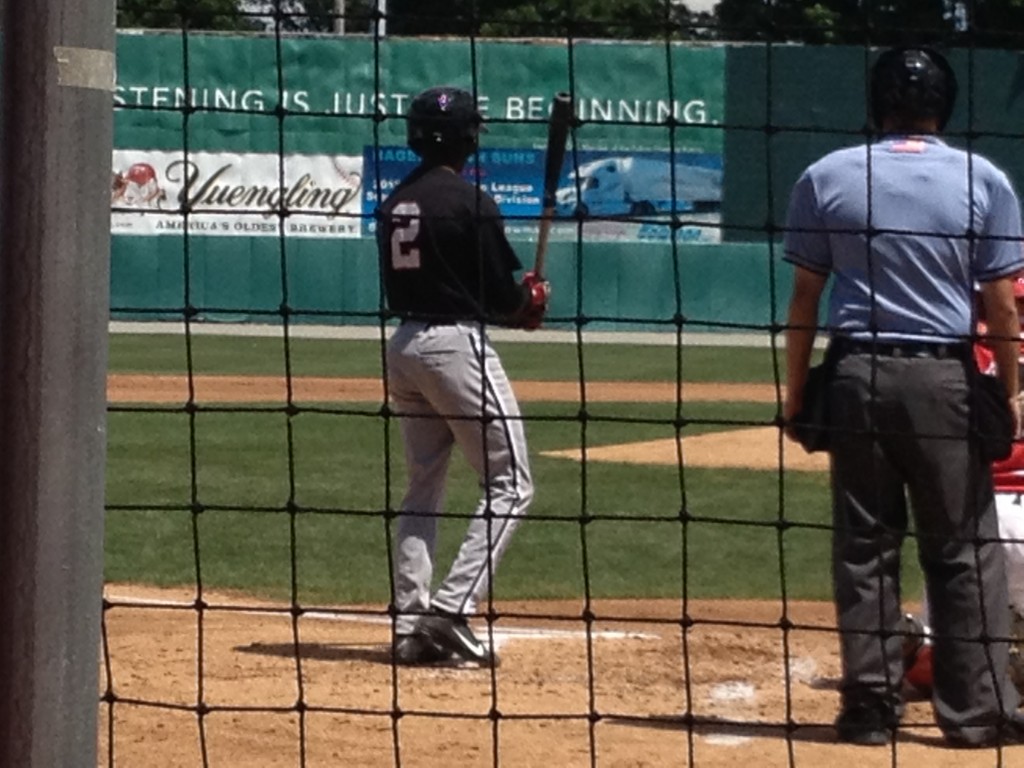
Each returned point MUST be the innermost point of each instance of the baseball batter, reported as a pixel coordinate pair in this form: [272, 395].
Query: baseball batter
[449, 271]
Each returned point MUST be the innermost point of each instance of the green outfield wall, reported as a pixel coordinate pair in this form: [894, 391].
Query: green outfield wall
[606, 285]
[815, 99]
[248, 168]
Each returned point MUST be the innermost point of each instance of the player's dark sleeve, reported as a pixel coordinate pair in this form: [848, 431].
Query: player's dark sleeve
[505, 297]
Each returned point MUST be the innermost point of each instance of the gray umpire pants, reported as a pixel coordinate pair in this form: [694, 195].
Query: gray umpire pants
[449, 388]
[901, 428]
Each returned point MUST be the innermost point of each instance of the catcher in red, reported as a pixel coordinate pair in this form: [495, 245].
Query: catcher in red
[1008, 479]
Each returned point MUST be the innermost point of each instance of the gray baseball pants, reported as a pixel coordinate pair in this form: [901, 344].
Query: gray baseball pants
[449, 388]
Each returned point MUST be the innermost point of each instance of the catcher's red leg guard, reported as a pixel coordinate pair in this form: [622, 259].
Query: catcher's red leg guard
[919, 674]
[917, 657]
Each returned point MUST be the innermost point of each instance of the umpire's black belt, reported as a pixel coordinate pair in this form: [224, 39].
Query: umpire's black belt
[936, 351]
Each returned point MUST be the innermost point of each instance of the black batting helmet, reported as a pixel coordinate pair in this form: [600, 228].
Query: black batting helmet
[443, 121]
[909, 83]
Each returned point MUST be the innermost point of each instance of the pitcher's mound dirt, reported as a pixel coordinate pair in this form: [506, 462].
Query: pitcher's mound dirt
[758, 448]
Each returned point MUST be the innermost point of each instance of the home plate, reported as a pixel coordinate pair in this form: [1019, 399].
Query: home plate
[733, 695]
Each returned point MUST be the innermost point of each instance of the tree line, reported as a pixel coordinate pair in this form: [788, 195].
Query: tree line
[987, 23]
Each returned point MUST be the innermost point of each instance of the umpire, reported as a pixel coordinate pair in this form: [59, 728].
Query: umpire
[906, 226]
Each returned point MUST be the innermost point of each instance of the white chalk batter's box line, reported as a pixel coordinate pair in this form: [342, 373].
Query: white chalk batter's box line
[500, 635]
[506, 633]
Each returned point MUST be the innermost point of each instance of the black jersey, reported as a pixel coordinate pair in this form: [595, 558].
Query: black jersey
[444, 253]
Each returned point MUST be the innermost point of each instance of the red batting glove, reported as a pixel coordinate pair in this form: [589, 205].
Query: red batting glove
[539, 291]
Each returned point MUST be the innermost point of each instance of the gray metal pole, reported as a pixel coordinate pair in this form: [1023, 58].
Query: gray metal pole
[382, 25]
[339, 17]
[56, 115]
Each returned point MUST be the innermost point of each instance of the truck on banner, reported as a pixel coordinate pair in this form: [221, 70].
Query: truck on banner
[230, 195]
[618, 184]
[646, 189]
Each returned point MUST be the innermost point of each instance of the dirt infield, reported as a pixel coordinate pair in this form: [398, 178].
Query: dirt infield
[566, 695]
[634, 672]
[130, 388]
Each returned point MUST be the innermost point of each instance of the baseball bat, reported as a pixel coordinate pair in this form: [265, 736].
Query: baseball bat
[558, 132]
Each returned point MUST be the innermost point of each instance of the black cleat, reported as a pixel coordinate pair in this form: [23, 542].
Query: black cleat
[869, 723]
[1007, 734]
[417, 650]
[452, 633]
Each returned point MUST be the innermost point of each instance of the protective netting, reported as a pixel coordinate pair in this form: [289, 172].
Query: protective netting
[667, 600]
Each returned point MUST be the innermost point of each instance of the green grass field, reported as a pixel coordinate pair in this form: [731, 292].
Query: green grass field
[256, 500]
[544, 361]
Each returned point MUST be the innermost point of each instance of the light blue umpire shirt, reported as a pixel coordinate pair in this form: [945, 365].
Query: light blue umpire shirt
[899, 246]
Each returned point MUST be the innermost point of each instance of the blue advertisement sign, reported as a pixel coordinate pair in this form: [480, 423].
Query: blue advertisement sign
[513, 177]
[616, 195]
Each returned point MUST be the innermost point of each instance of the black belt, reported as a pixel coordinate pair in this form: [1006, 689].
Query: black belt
[936, 351]
[431, 323]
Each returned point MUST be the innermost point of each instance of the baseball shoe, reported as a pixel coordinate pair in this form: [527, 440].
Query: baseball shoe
[417, 650]
[870, 720]
[452, 633]
[1009, 733]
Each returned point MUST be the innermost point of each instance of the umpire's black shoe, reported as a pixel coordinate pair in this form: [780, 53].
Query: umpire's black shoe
[868, 722]
[1010, 733]
[452, 633]
[417, 650]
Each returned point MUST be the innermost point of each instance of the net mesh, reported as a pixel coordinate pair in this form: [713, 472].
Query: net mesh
[666, 602]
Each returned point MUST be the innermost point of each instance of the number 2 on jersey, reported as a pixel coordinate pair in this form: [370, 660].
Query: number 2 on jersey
[406, 222]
